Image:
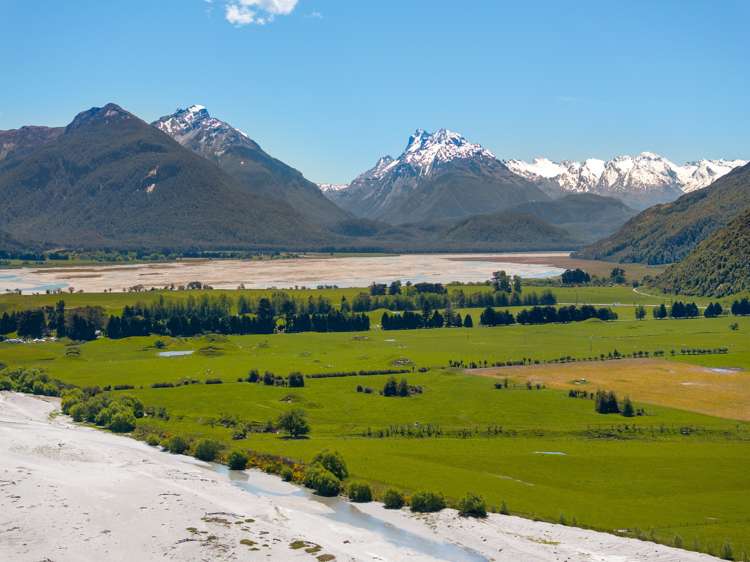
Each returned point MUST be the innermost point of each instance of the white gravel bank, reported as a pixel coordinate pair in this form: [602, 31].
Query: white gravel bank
[71, 493]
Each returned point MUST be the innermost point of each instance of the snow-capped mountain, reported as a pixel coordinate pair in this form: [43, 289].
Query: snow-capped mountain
[697, 175]
[439, 175]
[640, 180]
[332, 186]
[240, 156]
[195, 128]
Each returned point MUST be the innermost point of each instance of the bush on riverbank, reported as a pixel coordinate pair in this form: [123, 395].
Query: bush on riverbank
[359, 492]
[427, 502]
[393, 499]
[472, 505]
[237, 461]
[177, 445]
[322, 481]
[117, 414]
[32, 381]
[333, 462]
[207, 450]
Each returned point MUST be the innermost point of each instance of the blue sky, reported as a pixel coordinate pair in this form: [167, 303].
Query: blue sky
[330, 85]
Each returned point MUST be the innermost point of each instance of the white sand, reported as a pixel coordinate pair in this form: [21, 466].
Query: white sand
[75, 493]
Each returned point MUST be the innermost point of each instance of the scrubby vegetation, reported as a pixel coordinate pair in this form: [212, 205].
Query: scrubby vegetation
[118, 413]
[472, 505]
[359, 492]
[31, 381]
[393, 499]
[427, 502]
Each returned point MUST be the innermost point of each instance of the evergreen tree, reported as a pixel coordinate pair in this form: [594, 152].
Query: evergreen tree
[60, 319]
[468, 322]
[627, 408]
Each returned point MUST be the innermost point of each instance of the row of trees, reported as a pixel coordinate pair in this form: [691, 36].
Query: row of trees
[78, 324]
[415, 320]
[545, 315]
[679, 309]
[191, 316]
[580, 277]
[607, 403]
[741, 307]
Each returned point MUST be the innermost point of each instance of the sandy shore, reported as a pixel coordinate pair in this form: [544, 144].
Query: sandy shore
[75, 493]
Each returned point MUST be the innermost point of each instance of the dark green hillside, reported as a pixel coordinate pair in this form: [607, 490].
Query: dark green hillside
[585, 216]
[508, 227]
[267, 176]
[17, 143]
[112, 180]
[466, 188]
[667, 233]
[719, 266]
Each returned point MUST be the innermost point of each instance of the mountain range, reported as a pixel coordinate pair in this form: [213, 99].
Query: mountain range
[438, 176]
[192, 181]
[242, 158]
[640, 181]
[111, 180]
[668, 233]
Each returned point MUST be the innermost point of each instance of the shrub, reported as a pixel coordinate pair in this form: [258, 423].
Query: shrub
[207, 450]
[427, 502]
[393, 499]
[322, 481]
[504, 508]
[177, 445]
[472, 506]
[5, 384]
[296, 379]
[287, 474]
[726, 552]
[294, 422]
[360, 492]
[152, 439]
[237, 461]
[333, 462]
[214, 381]
[122, 422]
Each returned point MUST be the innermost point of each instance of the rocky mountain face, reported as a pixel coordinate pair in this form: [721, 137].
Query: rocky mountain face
[640, 181]
[23, 141]
[110, 180]
[241, 157]
[667, 233]
[439, 176]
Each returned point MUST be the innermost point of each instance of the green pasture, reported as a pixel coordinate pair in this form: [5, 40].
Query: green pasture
[114, 302]
[136, 361]
[653, 476]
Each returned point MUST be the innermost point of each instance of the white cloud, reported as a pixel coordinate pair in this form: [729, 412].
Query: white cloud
[316, 15]
[258, 12]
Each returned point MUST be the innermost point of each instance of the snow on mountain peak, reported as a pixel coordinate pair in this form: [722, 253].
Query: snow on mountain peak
[426, 150]
[195, 126]
[641, 173]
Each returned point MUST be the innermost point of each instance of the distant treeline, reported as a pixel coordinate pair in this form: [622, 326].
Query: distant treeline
[78, 324]
[546, 315]
[206, 314]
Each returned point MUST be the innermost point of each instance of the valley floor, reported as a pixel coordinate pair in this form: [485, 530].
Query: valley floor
[74, 493]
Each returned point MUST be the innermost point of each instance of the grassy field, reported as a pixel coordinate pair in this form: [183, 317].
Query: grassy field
[674, 471]
[114, 302]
